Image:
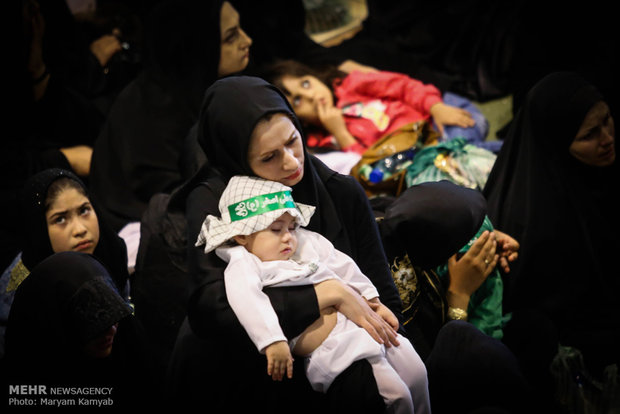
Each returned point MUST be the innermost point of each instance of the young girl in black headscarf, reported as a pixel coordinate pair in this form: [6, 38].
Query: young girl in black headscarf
[247, 127]
[554, 187]
[70, 327]
[42, 216]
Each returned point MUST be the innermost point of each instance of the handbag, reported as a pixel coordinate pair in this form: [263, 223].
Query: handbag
[407, 138]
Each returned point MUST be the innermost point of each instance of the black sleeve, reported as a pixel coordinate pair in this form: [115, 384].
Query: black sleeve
[296, 307]
[367, 248]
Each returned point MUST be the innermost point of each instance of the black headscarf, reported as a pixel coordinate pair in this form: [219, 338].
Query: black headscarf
[563, 213]
[231, 109]
[36, 245]
[431, 221]
[182, 46]
[68, 300]
[139, 151]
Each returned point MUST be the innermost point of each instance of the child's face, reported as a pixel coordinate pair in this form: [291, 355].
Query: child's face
[72, 224]
[306, 94]
[276, 242]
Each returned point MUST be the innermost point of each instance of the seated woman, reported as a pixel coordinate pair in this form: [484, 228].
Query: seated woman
[554, 188]
[247, 127]
[452, 318]
[70, 327]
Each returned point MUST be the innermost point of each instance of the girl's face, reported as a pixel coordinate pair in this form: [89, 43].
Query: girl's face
[594, 143]
[306, 94]
[101, 346]
[276, 151]
[235, 43]
[72, 223]
[276, 242]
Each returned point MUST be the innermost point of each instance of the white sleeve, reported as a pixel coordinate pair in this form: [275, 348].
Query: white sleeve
[342, 265]
[252, 307]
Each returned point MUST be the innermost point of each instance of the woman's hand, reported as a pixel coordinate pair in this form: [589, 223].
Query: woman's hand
[387, 315]
[471, 270]
[450, 115]
[508, 249]
[352, 305]
[105, 47]
[279, 360]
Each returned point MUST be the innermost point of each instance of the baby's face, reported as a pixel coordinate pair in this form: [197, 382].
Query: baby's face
[276, 242]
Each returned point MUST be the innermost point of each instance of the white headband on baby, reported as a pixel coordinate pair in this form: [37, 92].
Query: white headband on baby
[248, 205]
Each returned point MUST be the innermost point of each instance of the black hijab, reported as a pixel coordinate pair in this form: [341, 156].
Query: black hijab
[231, 109]
[563, 213]
[432, 221]
[182, 47]
[139, 151]
[66, 301]
[36, 245]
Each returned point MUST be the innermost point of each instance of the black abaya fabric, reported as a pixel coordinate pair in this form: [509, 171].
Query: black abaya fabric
[35, 243]
[432, 221]
[565, 216]
[68, 300]
[139, 150]
[231, 109]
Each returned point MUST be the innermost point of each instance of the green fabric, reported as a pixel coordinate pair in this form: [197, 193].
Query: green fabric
[465, 164]
[485, 305]
[260, 204]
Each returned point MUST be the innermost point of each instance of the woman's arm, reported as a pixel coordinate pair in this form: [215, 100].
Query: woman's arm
[336, 294]
[366, 246]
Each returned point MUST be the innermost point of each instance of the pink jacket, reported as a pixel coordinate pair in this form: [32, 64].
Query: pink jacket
[378, 103]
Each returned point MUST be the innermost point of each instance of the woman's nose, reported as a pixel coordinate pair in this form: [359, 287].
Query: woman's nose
[247, 40]
[607, 136]
[290, 161]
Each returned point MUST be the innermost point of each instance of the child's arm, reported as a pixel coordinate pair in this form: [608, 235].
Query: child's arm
[279, 360]
[450, 115]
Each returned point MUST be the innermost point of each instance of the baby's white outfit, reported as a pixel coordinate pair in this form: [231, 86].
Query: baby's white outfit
[399, 371]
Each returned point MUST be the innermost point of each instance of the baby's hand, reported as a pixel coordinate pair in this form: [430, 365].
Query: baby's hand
[279, 360]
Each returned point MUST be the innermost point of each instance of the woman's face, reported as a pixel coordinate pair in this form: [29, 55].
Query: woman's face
[235, 43]
[594, 143]
[72, 223]
[101, 346]
[276, 151]
[306, 94]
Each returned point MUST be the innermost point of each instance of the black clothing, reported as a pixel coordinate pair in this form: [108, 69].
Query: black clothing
[231, 109]
[68, 300]
[421, 230]
[565, 216]
[139, 150]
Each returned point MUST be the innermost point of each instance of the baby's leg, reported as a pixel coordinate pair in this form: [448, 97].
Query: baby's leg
[395, 393]
[316, 333]
[409, 366]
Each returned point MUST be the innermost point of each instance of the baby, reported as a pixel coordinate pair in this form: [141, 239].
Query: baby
[268, 248]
